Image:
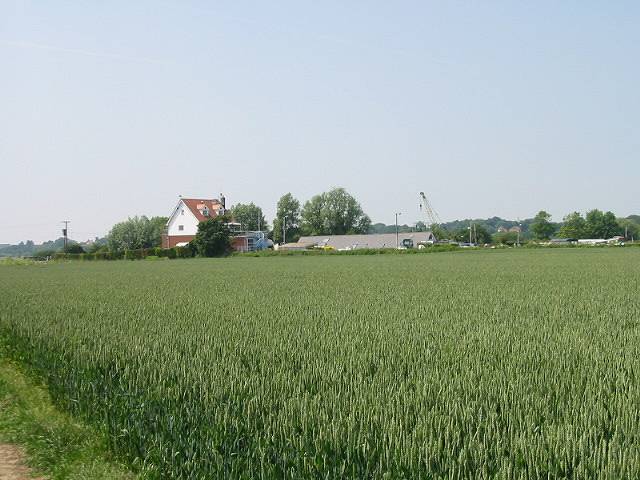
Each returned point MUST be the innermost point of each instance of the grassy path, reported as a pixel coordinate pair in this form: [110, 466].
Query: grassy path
[56, 446]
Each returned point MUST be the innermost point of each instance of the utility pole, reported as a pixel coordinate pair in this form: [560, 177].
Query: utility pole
[397, 244]
[65, 232]
[470, 228]
[284, 230]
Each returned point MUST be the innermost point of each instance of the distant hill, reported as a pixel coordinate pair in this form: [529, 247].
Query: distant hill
[490, 224]
[29, 248]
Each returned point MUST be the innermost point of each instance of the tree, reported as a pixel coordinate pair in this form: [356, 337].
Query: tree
[480, 235]
[422, 227]
[250, 216]
[334, 212]
[439, 232]
[629, 228]
[506, 238]
[541, 227]
[157, 226]
[288, 207]
[573, 226]
[73, 247]
[135, 233]
[601, 225]
[213, 238]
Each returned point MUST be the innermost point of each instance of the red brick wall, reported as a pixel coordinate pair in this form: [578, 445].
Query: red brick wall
[171, 241]
[237, 243]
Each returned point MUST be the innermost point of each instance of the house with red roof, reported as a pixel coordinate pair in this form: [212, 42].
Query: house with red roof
[182, 225]
[183, 222]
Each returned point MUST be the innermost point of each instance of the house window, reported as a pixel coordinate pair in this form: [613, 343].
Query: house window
[182, 212]
[180, 227]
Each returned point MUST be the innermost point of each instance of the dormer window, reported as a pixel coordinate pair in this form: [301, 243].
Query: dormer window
[205, 211]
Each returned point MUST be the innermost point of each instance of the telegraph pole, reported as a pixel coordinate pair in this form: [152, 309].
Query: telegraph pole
[397, 244]
[284, 230]
[65, 232]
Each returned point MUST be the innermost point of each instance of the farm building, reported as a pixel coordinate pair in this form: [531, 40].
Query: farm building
[373, 240]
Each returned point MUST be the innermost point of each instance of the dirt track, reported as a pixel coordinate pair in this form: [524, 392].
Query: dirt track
[12, 466]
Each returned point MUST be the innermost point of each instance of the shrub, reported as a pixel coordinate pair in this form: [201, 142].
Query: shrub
[184, 252]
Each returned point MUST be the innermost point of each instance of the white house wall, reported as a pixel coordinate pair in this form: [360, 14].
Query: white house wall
[182, 216]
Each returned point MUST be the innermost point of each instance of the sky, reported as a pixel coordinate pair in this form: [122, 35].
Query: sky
[496, 108]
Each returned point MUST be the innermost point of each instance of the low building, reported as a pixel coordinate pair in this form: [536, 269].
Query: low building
[373, 240]
[563, 241]
[592, 241]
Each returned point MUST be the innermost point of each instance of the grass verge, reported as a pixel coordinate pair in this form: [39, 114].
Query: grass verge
[57, 446]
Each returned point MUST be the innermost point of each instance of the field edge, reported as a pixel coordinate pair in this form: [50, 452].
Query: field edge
[57, 445]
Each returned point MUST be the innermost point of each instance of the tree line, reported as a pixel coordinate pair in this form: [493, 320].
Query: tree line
[336, 212]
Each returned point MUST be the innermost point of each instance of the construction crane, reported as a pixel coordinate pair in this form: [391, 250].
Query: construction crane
[432, 215]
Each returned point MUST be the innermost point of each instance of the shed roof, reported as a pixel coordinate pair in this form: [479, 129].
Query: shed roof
[373, 240]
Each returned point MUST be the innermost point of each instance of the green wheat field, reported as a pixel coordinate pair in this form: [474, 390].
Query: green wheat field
[493, 364]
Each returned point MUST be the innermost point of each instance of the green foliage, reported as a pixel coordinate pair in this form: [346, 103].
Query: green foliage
[486, 364]
[99, 245]
[439, 232]
[56, 444]
[29, 248]
[491, 225]
[542, 228]
[596, 224]
[250, 216]
[212, 239]
[73, 247]
[573, 226]
[334, 212]
[506, 238]
[187, 252]
[403, 228]
[477, 233]
[288, 207]
[601, 225]
[629, 227]
[44, 253]
[136, 233]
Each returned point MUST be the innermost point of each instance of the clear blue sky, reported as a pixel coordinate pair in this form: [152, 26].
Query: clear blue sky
[113, 109]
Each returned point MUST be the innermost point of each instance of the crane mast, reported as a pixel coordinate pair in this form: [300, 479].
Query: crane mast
[432, 215]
